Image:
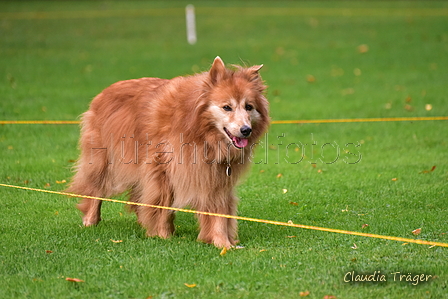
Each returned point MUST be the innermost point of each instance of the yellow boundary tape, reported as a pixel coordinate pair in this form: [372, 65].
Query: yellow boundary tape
[357, 120]
[274, 122]
[290, 224]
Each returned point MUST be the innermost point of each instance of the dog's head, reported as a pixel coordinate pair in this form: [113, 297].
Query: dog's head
[237, 104]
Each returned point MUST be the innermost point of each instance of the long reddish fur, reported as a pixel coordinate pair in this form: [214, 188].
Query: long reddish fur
[168, 124]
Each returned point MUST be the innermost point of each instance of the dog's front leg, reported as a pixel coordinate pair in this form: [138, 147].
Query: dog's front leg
[219, 231]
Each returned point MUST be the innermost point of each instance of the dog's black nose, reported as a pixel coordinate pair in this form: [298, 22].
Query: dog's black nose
[246, 130]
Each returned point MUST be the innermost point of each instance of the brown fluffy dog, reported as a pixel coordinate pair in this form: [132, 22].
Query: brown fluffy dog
[176, 143]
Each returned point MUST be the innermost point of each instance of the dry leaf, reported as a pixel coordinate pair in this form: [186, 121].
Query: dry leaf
[47, 185]
[408, 99]
[310, 78]
[417, 231]
[293, 203]
[290, 222]
[354, 246]
[427, 171]
[304, 294]
[284, 191]
[61, 182]
[279, 175]
[290, 236]
[363, 48]
[48, 251]
[428, 107]
[408, 107]
[74, 279]
[262, 250]
[116, 241]
[329, 297]
[394, 179]
[190, 285]
[364, 226]
[223, 251]
[348, 91]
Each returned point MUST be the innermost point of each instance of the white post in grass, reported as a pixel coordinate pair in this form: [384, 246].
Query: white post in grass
[191, 24]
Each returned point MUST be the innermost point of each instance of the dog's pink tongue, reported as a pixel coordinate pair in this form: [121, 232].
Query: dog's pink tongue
[240, 142]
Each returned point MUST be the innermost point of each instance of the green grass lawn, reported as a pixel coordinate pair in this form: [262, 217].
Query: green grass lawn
[322, 60]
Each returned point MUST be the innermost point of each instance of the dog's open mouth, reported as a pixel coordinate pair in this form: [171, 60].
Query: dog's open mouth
[238, 142]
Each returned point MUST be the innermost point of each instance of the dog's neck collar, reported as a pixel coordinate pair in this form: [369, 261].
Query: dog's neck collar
[228, 170]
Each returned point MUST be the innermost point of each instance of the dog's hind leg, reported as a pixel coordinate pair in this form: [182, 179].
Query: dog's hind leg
[83, 184]
[89, 180]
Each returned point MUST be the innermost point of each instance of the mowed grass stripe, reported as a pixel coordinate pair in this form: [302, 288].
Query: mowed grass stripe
[252, 11]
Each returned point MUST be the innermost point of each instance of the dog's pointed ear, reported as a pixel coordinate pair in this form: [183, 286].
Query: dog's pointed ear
[256, 68]
[253, 72]
[218, 70]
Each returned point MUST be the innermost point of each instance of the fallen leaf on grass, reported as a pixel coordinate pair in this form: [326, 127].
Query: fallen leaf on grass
[223, 251]
[279, 175]
[363, 48]
[116, 241]
[354, 246]
[329, 297]
[284, 191]
[408, 107]
[48, 251]
[304, 294]
[190, 285]
[394, 179]
[47, 185]
[428, 171]
[293, 203]
[364, 226]
[61, 182]
[310, 78]
[74, 279]
[428, 107]
[417, 231]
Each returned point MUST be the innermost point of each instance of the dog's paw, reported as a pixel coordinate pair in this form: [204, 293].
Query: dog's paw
[90, 221]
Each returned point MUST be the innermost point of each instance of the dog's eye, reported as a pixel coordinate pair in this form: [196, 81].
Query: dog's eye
[249, 107]
[227, 108]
